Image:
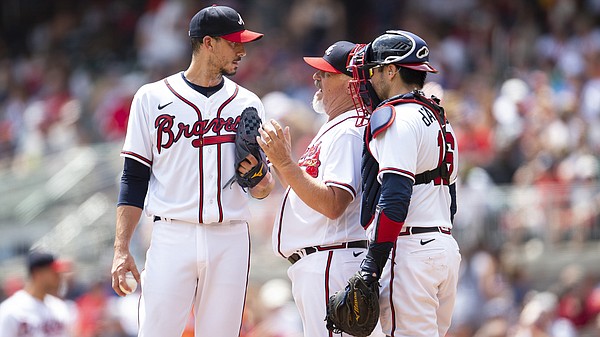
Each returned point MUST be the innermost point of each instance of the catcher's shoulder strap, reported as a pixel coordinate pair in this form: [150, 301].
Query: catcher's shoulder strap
[432, 104]
[380, 120]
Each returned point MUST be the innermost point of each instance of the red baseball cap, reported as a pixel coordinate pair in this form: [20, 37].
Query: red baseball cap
[335, 59]
[221, 21]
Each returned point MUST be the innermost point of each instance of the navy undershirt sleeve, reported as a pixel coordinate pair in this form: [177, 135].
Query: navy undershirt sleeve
[453, 206]
[134, 183]
[395, 196]
[393, 205]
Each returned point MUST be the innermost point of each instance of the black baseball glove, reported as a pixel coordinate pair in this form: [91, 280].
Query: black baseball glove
[245, 143]
[354, 310]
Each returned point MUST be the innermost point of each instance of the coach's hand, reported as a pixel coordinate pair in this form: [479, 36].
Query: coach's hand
[123, 262]
[276, 142]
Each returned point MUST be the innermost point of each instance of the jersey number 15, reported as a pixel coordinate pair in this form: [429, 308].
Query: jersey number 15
[450, 146]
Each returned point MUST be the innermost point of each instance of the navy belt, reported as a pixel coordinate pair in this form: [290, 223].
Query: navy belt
[421, 230]
[309, 250]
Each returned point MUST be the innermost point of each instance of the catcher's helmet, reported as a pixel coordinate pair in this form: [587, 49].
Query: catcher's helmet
[399, 47]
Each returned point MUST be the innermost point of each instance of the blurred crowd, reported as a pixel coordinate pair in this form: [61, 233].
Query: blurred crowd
[520, 81]
[499, 299]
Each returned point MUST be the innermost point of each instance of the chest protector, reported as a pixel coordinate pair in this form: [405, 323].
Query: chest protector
[380, 120]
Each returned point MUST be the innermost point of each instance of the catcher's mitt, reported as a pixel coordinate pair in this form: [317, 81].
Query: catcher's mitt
[354, 310]
[245, 143]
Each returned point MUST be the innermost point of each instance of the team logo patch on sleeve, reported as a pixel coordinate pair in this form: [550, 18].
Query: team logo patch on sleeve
[310, 160]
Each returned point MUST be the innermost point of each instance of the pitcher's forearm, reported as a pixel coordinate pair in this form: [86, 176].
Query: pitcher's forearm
[127, 220]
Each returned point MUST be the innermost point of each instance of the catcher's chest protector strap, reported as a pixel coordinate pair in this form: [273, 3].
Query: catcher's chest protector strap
[440, 115]
[380, 120]
[371, 187]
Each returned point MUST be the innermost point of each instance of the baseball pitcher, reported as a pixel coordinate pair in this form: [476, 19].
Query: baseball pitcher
[180, 150]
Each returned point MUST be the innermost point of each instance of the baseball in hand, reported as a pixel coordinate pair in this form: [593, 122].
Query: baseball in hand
[131, 282]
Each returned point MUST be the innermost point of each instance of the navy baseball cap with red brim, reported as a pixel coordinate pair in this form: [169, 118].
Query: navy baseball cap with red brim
[335, 59]
[221, 21]
[40, 259]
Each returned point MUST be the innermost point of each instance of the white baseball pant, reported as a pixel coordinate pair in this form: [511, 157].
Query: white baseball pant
[203, 267]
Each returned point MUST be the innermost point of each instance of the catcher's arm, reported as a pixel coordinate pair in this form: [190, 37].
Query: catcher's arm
[327, 200]
[388, 221]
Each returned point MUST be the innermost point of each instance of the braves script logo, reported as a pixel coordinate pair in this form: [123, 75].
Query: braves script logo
[169, 134]
[310, 160]
[50, 327]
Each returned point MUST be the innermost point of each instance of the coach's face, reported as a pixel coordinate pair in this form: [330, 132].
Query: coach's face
[333, 90]
[227, 55]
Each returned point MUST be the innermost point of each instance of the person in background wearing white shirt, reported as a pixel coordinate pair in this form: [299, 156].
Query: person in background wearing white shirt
[36, 310]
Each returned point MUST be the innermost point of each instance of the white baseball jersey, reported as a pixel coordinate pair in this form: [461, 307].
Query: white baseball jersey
[188, 141]
[199, 256]
[411, 145]
[332, 157]
[23, 315]
[418, 287]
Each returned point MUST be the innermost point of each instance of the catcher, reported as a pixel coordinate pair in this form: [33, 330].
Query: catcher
[409, 172]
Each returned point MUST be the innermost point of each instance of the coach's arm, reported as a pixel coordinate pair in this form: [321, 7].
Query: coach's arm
[328, 200]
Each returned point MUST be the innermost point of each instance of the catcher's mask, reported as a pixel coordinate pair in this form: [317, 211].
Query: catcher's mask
[399, 47]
